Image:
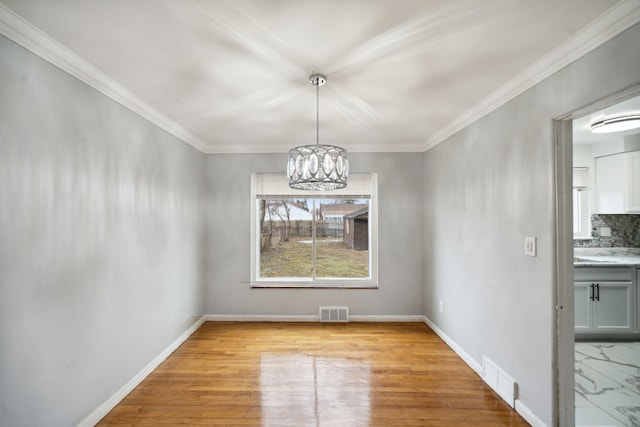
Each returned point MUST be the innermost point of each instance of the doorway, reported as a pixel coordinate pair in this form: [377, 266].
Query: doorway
[571, 130]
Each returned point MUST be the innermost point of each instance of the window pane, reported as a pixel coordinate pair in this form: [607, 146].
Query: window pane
[577, 223]
[342, 238]
[313, 238]
[285, 238]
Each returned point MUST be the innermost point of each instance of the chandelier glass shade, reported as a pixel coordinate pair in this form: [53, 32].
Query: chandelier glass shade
[318, 167]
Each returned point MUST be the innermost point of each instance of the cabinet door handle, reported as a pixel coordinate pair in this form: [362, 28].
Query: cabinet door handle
[597, 291]
[591, 292]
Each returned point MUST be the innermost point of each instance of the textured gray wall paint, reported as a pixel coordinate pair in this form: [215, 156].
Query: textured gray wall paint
[485, 189]
[400, 188]
[100, 243]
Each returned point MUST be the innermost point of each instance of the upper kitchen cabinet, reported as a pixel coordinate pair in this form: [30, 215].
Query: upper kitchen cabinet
[618, 183]
[607, 144]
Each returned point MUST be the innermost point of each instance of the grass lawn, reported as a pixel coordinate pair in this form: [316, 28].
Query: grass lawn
[333, 259]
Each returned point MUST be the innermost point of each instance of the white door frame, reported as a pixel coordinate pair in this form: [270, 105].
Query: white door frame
[564, 348]
[564, 384]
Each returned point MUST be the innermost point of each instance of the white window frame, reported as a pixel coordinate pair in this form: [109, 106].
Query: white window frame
[278, 185]
[580, 196]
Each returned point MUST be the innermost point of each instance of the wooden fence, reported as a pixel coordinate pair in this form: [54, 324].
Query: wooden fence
[278, 229]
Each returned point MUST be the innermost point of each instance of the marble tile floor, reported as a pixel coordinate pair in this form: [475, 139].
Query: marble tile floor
[607, 383]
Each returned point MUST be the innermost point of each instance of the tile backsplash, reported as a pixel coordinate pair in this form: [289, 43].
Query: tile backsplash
[625, 232]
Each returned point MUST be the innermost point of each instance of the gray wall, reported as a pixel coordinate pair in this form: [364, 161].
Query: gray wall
[101, 243]
[485, 189]
[400, 189]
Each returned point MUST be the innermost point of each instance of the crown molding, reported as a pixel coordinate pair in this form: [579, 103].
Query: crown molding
[611, 23]
[254, 148]
[22, 32]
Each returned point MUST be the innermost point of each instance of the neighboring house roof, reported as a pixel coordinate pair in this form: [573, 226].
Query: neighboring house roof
[295, 214]
[360, 213]
[340, 209]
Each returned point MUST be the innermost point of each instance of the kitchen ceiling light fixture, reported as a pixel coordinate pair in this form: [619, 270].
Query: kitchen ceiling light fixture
[616, 124]
[318, 167]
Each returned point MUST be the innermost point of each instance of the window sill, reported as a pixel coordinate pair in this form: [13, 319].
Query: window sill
[314, 285]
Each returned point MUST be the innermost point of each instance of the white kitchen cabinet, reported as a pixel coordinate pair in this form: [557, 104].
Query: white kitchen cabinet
[583, 307]
[618, 183]
[604, 300]
[637, 280]
[633, 184]
[613, 307]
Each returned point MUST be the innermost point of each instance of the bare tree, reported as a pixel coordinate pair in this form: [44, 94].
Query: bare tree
[265, 231]
[285, 221]
[287, 210]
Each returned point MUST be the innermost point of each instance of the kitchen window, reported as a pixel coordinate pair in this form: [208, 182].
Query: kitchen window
[313, 239]
[581, 216]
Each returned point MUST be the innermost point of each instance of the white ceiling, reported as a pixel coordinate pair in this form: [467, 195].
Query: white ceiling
[232, 76]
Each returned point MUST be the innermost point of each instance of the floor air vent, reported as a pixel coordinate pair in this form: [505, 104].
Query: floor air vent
[334, 314]
[500, 381]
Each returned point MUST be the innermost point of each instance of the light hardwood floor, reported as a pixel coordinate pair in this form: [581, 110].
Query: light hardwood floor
[313, 374]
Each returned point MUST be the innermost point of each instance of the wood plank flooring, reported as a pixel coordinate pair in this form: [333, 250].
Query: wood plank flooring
[313, 374]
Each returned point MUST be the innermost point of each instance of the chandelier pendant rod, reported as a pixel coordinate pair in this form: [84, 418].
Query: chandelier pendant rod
[317, 114]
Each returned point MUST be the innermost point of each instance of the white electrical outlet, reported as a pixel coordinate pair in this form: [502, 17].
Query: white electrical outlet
[530, 246]
[441, 307]
[605, 231]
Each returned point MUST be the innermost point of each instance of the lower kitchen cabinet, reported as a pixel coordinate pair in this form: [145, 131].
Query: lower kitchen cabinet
[604, 300]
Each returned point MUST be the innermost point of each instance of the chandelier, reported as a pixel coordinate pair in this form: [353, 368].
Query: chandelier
[317, 167]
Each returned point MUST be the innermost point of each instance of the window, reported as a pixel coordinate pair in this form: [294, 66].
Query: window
[313, 239]
[581, 217]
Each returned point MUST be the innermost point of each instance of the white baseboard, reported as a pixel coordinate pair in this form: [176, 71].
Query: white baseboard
[528, 415]
[477, 367]
[259, 318]
[307, 318]
[520, 408]
[386, 318]
[102, 410]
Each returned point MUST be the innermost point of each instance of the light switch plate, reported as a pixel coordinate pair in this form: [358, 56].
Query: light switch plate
[530, 246]
[605, 231]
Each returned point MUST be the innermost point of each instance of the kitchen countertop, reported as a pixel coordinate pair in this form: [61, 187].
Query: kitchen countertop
[606, 257]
